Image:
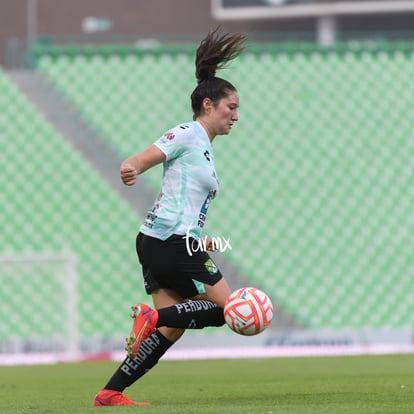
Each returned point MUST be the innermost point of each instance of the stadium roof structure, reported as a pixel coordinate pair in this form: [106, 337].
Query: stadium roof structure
[276, 9]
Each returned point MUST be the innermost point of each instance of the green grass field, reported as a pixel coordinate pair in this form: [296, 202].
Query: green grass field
[335, 385]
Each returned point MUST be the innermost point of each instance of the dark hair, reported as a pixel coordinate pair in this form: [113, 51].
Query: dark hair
[214, 52]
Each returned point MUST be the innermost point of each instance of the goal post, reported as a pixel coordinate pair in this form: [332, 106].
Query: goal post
[39, 304]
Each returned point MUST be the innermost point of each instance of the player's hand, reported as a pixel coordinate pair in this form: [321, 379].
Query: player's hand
[128, 174]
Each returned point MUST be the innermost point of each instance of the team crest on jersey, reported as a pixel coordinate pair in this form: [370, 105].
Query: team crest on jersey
[211, 267]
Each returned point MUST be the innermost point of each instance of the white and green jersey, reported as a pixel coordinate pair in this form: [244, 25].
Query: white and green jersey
[189, 183]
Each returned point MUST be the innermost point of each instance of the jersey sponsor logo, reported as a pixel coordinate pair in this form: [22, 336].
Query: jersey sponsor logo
[152, 216]
[167, 137]
[207, 155]
[203, 212]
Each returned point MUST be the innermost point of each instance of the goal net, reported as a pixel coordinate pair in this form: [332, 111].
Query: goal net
[38, 298]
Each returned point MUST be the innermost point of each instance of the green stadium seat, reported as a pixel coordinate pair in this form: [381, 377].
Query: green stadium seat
[53, 201]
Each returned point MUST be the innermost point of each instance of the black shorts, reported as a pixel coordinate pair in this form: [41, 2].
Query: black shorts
[171, 264]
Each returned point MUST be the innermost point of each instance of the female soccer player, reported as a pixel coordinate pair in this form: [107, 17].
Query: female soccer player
[187, 288]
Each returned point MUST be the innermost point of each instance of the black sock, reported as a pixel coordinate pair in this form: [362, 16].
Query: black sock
[196, 314]
[150, 351]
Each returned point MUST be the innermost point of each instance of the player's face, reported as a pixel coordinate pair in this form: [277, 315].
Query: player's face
[224, 114]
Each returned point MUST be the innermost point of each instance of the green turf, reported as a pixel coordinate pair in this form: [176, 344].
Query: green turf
[376, 384]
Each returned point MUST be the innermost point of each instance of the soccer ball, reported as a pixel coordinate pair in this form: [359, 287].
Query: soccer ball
[248, 311]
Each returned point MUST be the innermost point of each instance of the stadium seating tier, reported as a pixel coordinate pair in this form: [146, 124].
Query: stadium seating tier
[316, 177]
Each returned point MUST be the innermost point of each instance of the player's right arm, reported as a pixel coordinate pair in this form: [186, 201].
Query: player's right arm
[139, 163]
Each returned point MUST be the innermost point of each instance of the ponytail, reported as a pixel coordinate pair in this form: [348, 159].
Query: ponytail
[214, 52]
